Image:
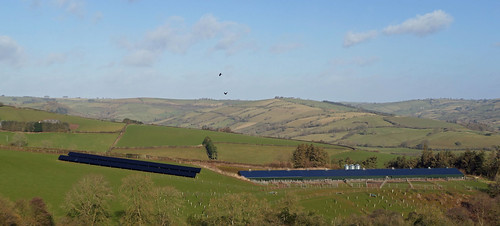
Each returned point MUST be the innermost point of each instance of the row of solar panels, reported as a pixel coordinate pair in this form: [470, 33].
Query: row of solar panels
[130, 164]
[346, 174]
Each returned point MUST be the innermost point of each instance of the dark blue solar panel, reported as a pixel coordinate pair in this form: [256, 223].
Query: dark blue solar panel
[136, 162]
[350, 173]
[131, 164]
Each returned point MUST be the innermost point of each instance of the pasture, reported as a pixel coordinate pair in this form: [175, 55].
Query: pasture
[149, 136]
[26, 175]
[83, 124]
[230, 152]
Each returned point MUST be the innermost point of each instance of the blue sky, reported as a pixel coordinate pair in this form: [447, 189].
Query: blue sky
[370, 51]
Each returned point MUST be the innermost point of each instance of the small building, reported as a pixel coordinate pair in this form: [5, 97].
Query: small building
[51, 121]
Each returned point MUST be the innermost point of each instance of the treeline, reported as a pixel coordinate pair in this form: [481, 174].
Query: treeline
[41, 126]
[223, 129]
[131, 121]
[23, 212]
[471, 162]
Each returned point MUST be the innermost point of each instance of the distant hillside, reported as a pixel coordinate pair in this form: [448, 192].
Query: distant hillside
[474, 114]
[282, 117]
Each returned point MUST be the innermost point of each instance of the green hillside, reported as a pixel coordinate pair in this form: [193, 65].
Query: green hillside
[287, 118]
[476, 114]
[26, 175]
[34, 171]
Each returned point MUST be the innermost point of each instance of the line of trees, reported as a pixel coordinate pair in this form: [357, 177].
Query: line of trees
[471, 162]
[16, 126]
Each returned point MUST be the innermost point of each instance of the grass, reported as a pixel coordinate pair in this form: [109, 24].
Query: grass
[388, 136]
[421, 123]
[84, 124]
[467, 139]
[230, 152]
[97, 142]
[26, 175]
[148, 136]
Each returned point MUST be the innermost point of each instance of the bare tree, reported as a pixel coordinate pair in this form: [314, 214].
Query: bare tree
[87, 203]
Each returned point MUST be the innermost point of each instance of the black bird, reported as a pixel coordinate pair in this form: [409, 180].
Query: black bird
[225, 93]
[220, 74]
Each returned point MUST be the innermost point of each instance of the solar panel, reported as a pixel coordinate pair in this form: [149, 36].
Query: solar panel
[131, 164]
[350, 174]
[136, 162]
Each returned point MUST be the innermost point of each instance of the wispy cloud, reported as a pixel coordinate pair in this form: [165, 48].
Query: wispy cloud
[497, 44]
[175, 38]
[422, 25]
[352, 38]
[10, 52]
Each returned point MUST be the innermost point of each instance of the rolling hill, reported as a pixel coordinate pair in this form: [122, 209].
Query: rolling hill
[282, 118]
[36, 172]
[475, 114]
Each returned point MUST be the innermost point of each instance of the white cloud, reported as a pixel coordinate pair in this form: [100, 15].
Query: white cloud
[174, 37]
[422, 25]
[285, 47]
[10, 52]
[352, 38]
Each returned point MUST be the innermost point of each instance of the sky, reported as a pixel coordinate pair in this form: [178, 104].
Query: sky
[361, 51]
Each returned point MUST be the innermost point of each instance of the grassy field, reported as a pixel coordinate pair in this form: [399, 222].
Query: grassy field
[230, 152]
[148, 136]
[291, 118]
[421, 123]
[95, 142]
[388, 136]
[84, 125]
[26, 175]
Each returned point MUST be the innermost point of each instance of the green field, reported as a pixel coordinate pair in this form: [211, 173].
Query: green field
[388, 136]
[293, 118]
[421, 123]
[230, 152]
[26, 175]
[95, 142]
[148, 136]
[83, 124]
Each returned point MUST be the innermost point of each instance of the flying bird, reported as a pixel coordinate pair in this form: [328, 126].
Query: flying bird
[225, 93]
[220, 74]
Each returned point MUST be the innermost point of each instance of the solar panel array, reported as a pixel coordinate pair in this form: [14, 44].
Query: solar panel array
[130, 164]
[350, 174]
